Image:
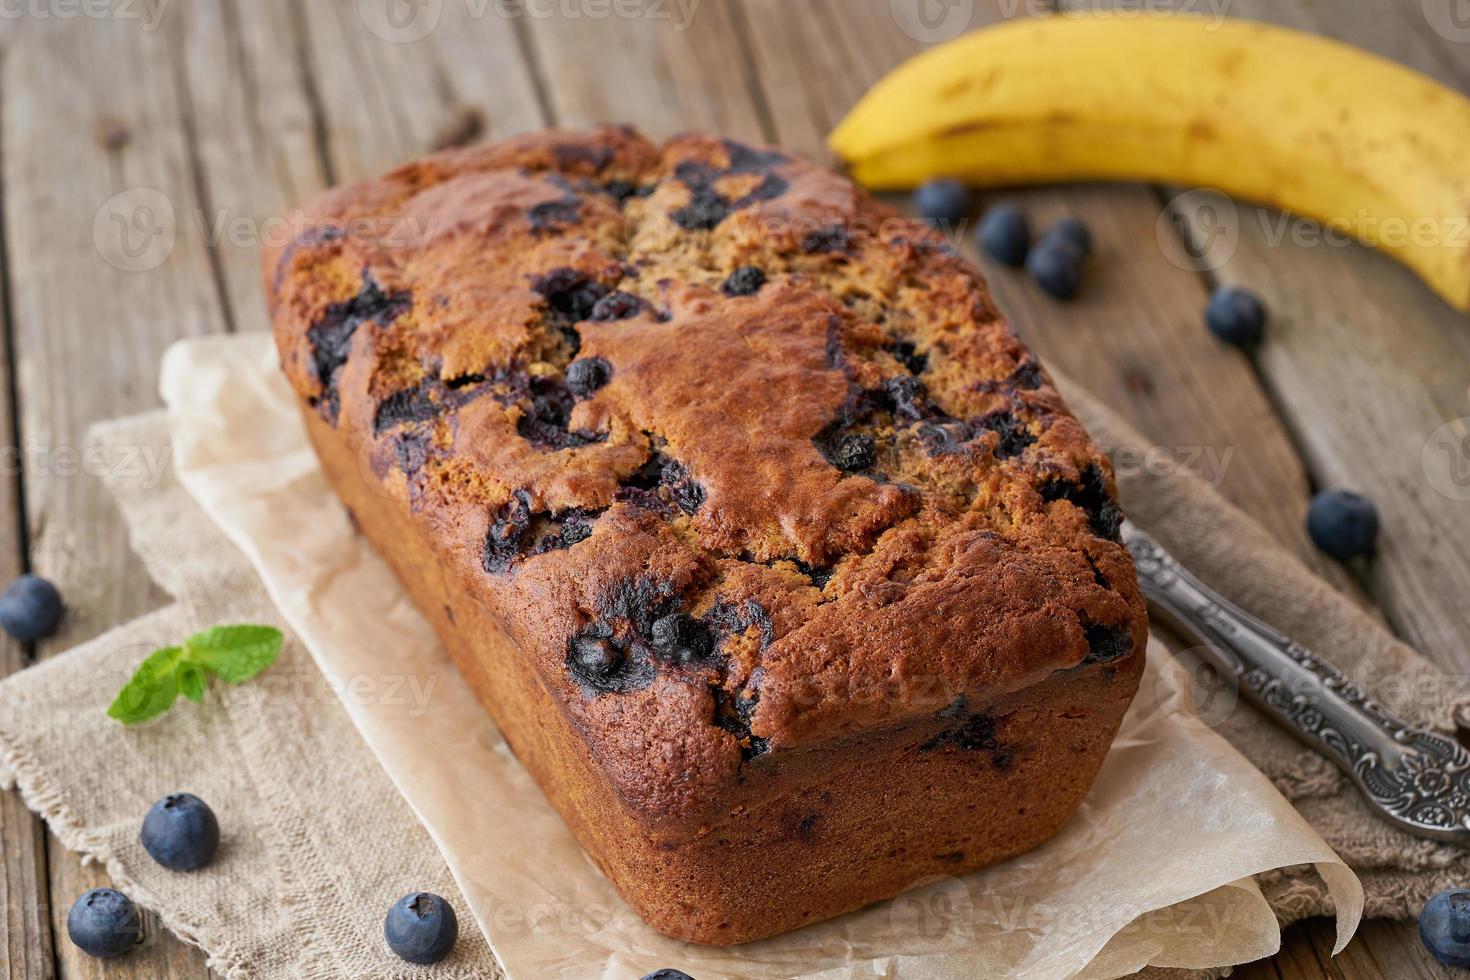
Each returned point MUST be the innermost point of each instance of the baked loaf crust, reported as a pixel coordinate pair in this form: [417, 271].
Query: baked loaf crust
[777, 558]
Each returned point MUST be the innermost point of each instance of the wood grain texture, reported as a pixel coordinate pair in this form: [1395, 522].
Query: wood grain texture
[1365, 362]
[669, 75]
[384, 101]
[171, 117]
[87, 333]
[250, 131]
[26, 947]
[233, 109]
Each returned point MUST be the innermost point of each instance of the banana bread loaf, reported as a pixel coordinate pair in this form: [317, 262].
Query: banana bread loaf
[776, 557]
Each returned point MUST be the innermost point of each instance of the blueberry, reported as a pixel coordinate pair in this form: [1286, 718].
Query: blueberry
[570, 293]
[30, 608]
[1342, 523]
[1071, 230]
[854, 451]
[104, 923]
[1005, 234]
[667, 974]
[421, 928]
[681, 638]
[587, 375]
[744, 281]
[944, 201]
[1444, 925]
[1236, 316]
[180, 832]
[616, 306]
[620, 190]
[1056, 265]
[594, 656]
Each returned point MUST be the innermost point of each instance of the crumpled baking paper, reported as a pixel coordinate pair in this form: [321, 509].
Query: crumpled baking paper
[1154, 869]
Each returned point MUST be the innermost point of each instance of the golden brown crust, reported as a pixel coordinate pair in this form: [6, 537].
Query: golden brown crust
[806, 834]
[762, 514]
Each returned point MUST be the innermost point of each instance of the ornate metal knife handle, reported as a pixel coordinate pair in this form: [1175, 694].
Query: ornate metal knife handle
[1417, 780]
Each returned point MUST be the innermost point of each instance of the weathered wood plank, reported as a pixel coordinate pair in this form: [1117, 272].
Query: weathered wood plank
[251, 135]
[370, 102]
[658, 72]
[91, 319]
[1382, 950]
[26, 945]
[1441, 45]
[26, 948]
[388, 95]
[1367, 364]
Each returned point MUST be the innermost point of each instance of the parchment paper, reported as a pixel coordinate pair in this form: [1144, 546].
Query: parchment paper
[1154, 868]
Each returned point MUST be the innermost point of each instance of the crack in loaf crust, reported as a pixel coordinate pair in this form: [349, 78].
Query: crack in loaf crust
[753, 480]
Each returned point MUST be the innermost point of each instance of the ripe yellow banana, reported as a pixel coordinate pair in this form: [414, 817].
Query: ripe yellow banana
[1319, 128]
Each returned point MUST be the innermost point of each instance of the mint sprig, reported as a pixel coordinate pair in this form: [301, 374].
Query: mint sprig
[231, 653]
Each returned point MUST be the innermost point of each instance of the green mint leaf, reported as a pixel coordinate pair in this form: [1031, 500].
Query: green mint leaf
[191, 681]
[151, 690]
[234, 653]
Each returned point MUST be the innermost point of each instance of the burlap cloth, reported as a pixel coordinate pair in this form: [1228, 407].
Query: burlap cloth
[286, 768]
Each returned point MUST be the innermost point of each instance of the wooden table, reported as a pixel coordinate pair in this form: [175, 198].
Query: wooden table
[145, 145]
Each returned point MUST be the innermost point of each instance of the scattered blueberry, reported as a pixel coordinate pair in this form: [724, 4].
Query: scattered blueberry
[1342, 523]
[180, 832]
[1005, 234]
[1444, 925]
[104, 923]
[744, 281]
[421, 928]
[1071, 230]
[944, 200]
[30, 608]
[667, 975]
[587, 375]
[1236, 316]
[1056, 265]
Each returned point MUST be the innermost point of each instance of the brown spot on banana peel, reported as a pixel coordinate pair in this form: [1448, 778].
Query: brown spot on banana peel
[1230, 62]
[1056, 118]
[1201, 129]
[968, 86]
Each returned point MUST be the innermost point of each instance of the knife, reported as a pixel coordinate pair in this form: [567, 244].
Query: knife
[1417, 780]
